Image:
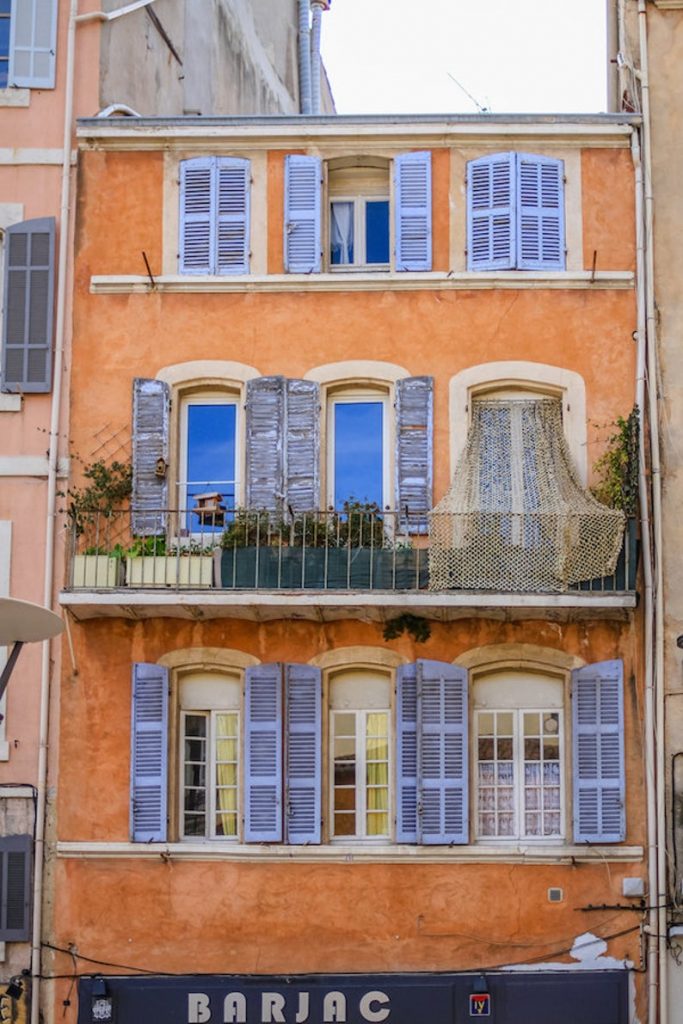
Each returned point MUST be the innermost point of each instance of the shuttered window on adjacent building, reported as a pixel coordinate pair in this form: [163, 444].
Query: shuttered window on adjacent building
[15, 887]
[28, 300]
[33, 44]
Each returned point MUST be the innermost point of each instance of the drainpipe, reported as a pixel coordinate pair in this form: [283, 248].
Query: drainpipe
[612, 47]
[653, 386]
[51, 510]
[305, 103]
[317, 8]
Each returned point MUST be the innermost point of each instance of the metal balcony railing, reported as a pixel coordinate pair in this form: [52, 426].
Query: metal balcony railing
[358, 549]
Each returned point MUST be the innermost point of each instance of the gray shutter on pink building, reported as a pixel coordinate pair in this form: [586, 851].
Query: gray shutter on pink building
[407, 782]
[491, 219]
[442, 752]
[16, 858]
[303, 758]
[598, 748]
[33, 44]
[302, 445]
[149, 753]
[413, 210]
[414, 418]
[540, 213]
[263, 754]
[303, 198]
[28, 307]
[149, 497]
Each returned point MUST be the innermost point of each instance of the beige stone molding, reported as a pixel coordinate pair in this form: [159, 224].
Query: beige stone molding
[206, 658]
[358, 657]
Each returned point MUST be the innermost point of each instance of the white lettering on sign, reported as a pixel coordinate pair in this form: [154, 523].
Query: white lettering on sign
[272, 1005]
[366, 1009]
[235, 1008]
[304, 1007]
[334, 1008]
[198, 1010]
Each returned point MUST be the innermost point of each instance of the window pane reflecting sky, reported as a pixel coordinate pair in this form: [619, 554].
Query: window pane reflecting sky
[358, 456]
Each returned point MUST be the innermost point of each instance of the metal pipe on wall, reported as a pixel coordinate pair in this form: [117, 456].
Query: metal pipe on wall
[304, 57]
[317, 8]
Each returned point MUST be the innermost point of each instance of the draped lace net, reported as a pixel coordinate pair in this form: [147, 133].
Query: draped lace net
[516, 516]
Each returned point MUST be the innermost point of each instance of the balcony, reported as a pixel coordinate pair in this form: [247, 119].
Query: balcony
[363, 563]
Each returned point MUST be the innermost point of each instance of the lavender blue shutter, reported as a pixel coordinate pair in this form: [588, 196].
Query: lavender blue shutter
[303, 190]
[540, 213]
[598, 746]
[29, 301]
[16, 855]
[491, 212]
[266, 398]
[413, 211]
[149, 754]
[442, 752]
[302, 445]
[233, 180]
[263, 755]
[406, 754]
[149, 498]
[33, 44]
[197, 216]
[303, 758]
[414, 415]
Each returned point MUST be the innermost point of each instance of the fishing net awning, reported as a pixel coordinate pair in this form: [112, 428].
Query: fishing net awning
[516, 516]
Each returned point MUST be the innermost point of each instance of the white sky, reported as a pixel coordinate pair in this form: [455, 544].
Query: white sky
[395, 56]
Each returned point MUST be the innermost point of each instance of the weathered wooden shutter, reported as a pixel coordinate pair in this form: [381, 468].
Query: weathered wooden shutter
[406, 754]
[303, 767]
[263, 755]
[442, 752]
[149, 499]
[197, 216]
[413, 211]
[33, 44]
[540, 213]
[233, 181]
[29, 300]
[266, 398]
[303, 190]
[598, 745]
[149, 754]
[302, 445]
[491, 213]
[16, 857]
[414, 412]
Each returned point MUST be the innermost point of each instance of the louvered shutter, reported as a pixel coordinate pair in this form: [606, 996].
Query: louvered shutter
[149, 499]
[413, 211]
[197, 216]
[302, 445]
[406, 754]
[263, 755]
[414, 410]
[490, 213]
[233, 179]
[303, 189]
[442, 752]
[540, 213]
[303, 753]
[598, 746]
[33, 44]
[28, 306]
[266, 397]
[149, 754]
[15, 887]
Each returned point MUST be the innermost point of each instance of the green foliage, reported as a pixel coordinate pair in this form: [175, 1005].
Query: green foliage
[414, 625]
[617, 467]
[357, 525]
[107, 489]
[143, 546]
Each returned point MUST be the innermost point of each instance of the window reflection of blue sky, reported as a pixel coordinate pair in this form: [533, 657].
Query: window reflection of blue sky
[211, 452]
[358, 452]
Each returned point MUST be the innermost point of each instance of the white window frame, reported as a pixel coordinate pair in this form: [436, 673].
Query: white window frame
[209, 397]
[210, 812]
[361, 716]
[359, 201]
[354, 396]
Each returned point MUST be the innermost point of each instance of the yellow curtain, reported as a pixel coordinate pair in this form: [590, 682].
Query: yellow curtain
[226, 774]
[377, 775]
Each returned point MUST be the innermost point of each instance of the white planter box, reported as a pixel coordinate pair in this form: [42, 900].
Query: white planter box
[95, 571]
[169, 571]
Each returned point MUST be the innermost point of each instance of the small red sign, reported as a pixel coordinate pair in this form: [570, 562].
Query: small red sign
[480, 1004]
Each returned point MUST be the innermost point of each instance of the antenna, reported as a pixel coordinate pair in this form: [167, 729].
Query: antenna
[480, 108]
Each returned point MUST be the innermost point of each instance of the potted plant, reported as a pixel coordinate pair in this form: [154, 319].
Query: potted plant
[97, 554]
[151, 563]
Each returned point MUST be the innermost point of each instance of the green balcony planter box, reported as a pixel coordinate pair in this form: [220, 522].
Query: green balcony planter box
[286, 568]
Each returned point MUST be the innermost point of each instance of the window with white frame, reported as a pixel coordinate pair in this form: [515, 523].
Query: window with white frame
[357, 449]
[359, 216]
[28, 43]
[209, 759]
[360, 756]
[519, 756]
[207, 462]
